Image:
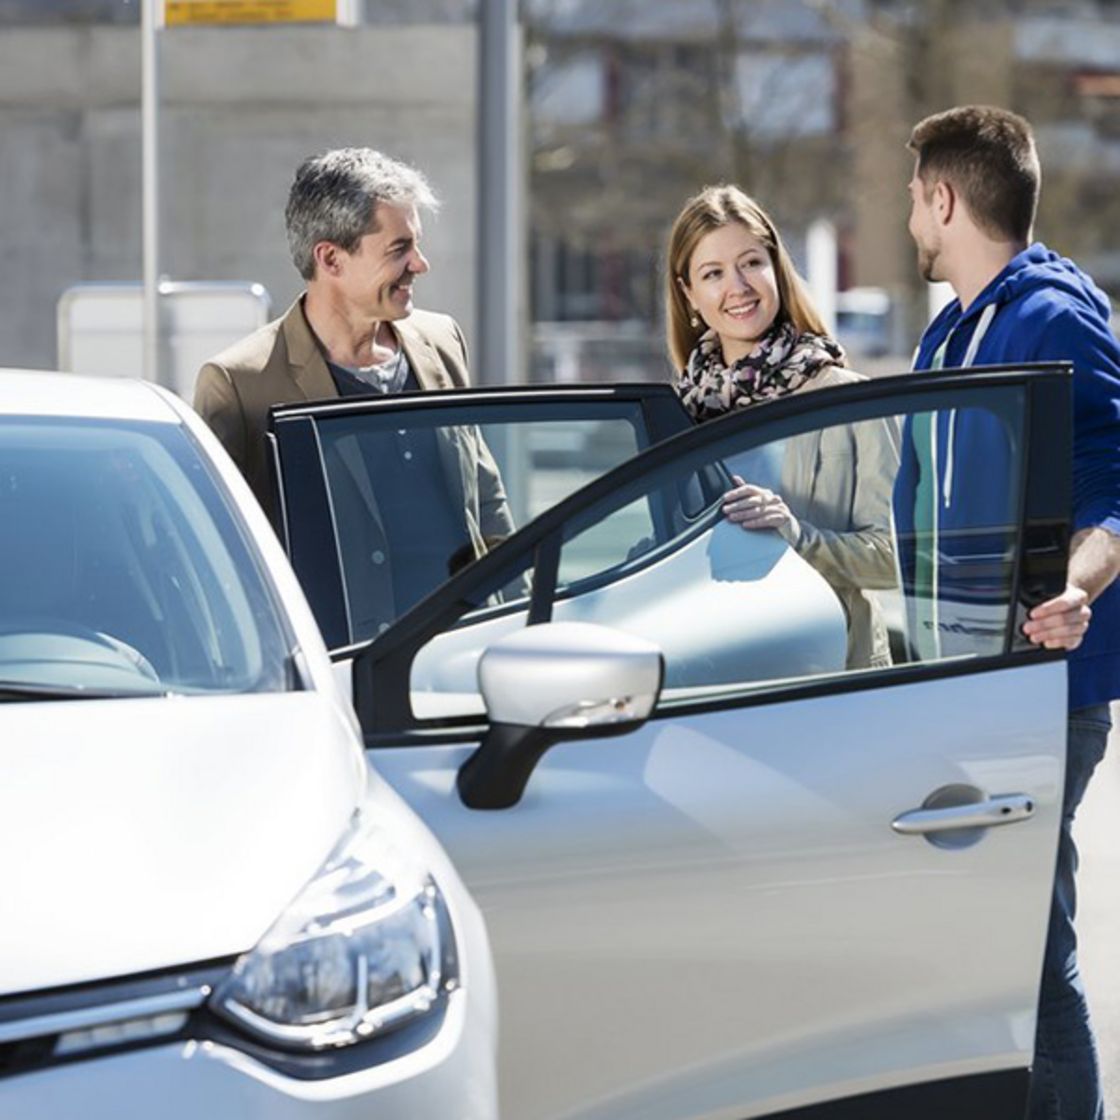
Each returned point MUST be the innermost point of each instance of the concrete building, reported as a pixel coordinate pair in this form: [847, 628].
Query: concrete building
[630, 106]
[241, 106]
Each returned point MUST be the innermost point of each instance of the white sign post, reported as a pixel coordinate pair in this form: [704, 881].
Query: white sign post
[155, 15]
[821, 269]
[149, 128]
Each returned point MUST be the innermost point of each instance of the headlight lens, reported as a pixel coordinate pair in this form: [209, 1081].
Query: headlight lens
[365, 947]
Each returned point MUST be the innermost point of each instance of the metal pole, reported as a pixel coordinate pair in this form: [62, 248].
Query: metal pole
[821, 268]
[149, 128]
[499, 194]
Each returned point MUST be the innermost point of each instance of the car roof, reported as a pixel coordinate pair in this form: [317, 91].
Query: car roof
[26, 392]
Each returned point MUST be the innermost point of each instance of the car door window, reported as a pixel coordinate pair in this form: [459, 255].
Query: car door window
[386, 500]
[873, 572]
[867, 533]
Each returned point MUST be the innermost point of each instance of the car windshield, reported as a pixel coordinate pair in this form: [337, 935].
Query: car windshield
[122, 571]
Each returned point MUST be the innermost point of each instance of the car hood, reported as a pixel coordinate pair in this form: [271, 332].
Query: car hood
[142, 834]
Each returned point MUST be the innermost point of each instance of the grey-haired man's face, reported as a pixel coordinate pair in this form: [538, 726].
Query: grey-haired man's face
[376, 279]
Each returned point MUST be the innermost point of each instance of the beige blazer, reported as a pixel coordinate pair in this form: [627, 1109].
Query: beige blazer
[282, 363]
[838, 483]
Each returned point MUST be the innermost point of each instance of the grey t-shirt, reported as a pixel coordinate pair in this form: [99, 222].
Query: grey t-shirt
[392, 376]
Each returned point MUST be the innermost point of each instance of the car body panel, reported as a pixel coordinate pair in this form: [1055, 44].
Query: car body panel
[36, 393]
[450, 1077]
[188, 851]
[714, 912]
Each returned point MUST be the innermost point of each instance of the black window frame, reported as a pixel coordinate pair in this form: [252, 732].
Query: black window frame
[382, 666]
[301, 489]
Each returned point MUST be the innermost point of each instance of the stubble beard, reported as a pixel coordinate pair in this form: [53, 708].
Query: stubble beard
[928, 258]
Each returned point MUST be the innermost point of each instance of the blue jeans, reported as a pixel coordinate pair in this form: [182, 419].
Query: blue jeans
[1065, 1080]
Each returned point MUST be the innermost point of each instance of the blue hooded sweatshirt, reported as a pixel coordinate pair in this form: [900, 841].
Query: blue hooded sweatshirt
[1045, 309]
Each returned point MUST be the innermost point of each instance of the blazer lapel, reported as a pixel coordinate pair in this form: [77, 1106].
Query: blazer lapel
[453, 460]
[308, 367]
[422, 357]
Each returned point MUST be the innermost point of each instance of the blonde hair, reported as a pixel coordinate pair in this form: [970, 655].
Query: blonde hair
[713, 208]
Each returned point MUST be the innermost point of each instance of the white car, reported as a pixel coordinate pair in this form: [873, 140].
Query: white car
[212, 905]
[722, 875]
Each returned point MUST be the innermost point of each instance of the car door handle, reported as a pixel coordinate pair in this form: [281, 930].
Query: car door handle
[1006, 809]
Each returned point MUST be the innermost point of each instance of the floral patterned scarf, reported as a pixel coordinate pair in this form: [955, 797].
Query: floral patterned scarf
[782, 361]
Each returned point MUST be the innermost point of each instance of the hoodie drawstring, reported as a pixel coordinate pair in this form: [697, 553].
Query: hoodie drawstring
[986, 317]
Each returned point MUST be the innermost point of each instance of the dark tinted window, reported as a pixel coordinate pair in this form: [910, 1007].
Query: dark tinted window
[384, 505]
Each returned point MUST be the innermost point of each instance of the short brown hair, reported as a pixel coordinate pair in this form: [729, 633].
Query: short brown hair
[713, 208]
[988, 156]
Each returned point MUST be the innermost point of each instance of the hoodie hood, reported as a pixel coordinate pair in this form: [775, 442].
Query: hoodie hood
[1038, 267]
[1033, 280]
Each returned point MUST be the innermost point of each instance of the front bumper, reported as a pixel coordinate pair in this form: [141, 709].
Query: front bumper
[452, 1074]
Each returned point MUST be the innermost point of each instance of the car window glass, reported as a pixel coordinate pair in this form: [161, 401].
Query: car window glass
[122, 567]
[416, 496]
[546, 461]
[542, 461]
[817, 595]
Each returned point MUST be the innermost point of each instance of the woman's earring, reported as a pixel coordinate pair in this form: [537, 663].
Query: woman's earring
[694, 320]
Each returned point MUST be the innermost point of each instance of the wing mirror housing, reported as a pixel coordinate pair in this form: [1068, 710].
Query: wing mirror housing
[552, 682]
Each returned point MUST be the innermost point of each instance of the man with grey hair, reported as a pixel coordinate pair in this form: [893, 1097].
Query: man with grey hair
[353, 222]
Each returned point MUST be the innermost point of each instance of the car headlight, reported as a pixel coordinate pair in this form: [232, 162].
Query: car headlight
[365, 947]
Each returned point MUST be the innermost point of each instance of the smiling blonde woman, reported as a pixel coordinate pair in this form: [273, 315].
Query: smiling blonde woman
[742, 330]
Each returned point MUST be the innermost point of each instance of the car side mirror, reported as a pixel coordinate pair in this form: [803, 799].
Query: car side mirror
[552, 682]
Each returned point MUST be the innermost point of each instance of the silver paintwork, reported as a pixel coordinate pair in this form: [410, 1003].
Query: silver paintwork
[560, 671]
[712, 915]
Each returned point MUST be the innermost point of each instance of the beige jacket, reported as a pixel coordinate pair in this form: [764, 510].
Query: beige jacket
[282, 363]
[838, 483]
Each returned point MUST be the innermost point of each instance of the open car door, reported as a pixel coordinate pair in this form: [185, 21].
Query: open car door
[724, 873]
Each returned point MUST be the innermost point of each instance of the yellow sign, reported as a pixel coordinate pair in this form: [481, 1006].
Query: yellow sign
[194, 12]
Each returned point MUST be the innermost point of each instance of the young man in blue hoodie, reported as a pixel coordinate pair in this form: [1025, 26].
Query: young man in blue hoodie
[973, 198]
